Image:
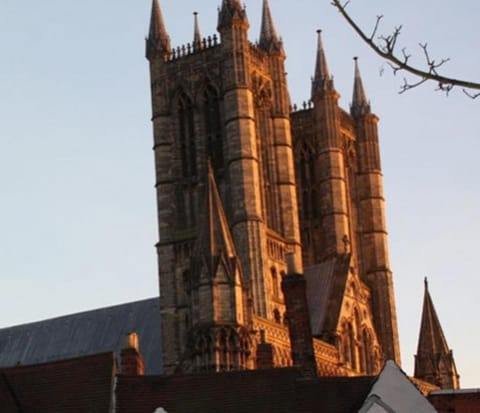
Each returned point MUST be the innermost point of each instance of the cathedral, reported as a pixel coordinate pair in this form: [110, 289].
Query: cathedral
[274, 272]
[256, 196]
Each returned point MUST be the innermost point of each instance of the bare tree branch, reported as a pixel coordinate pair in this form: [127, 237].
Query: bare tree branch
[385, 47]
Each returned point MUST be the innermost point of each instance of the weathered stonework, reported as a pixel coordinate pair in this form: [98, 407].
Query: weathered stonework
[242, 180]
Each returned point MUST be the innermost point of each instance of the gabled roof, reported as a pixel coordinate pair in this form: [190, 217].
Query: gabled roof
[215, 242]
[77, 385]
[393, 391]
[278, 390]
[85, 333]
[326, 284]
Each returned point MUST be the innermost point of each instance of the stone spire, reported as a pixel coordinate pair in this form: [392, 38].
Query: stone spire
[158, 41]
[434, 360]
[322, 79]
[215, 241]
[360, 104]
[230, 11]
[269, 39]
[197, 36]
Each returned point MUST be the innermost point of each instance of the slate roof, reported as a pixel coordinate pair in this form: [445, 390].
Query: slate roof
[76, 385]
[326, 284]
[91, 332]
[278, 390]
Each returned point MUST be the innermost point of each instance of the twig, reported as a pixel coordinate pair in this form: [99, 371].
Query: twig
[387, 47]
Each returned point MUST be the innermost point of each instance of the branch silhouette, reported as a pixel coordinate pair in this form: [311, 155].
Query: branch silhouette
[386, 47]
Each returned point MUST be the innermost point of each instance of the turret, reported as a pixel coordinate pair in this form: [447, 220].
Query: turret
[158, 40]
[360, 104]
[231, 12]
[434, 361]
[322, 79]
[269, 39]
[330, 161]
[374, 261]
[218, 339]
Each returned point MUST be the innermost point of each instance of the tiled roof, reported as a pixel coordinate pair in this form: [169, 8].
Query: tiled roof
[261, 391]
[91, 332]
[82, 385]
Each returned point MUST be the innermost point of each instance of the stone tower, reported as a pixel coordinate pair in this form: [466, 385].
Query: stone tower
[434, 360]
[239, 177]
[224, 100]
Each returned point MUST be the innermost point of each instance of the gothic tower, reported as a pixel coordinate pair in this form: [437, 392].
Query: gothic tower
[340, 192]
[434, 361]
[239, 177]
[225, 100]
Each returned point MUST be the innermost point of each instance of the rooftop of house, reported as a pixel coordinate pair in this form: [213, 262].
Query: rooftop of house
[76, 385]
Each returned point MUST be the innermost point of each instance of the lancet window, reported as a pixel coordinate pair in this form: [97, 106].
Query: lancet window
[188, 150]
[213, 128]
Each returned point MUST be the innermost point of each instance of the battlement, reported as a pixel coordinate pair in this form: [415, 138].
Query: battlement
[193, 48]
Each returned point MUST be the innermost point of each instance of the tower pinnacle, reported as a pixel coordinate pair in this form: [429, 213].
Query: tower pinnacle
[269, 39]
[322, 79]
[158, 41]
[197, 37]
[230, 11]
[434, 360]
[360, 105]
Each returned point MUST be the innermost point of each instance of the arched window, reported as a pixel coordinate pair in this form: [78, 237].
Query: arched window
[188, 151]
[274, 276]
[308, 182]
[276, 316]
[213, 128]
[352, 346]
[367, 344]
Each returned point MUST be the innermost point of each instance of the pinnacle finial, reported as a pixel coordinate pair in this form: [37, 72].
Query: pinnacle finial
[269, 38]
[158, 40]
[229, 11]
[197, 37]
[322, 79]
[360, 104]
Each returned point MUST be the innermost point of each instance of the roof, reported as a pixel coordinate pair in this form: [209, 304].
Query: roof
[76, 385]
[278, 390]
[91, 332]
[325, 290]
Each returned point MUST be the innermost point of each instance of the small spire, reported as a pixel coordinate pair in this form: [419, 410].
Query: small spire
[158, 40]
[322, 79]
[360, 104]
[229, 11]
[215, 241]
[197, 37]
[434, 360]
[269, 39]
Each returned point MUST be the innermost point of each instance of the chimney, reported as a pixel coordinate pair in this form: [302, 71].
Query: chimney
[131, 359]
[301, 341]
[264, 353]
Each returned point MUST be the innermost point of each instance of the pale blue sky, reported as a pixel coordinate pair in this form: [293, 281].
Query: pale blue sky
[77, 211]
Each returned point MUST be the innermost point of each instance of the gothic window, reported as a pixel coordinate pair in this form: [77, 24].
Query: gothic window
[307, 174]
[188, 151]
[366, 344]
[274, 277]
[352, 346]
[213, 128]
[276, 316]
